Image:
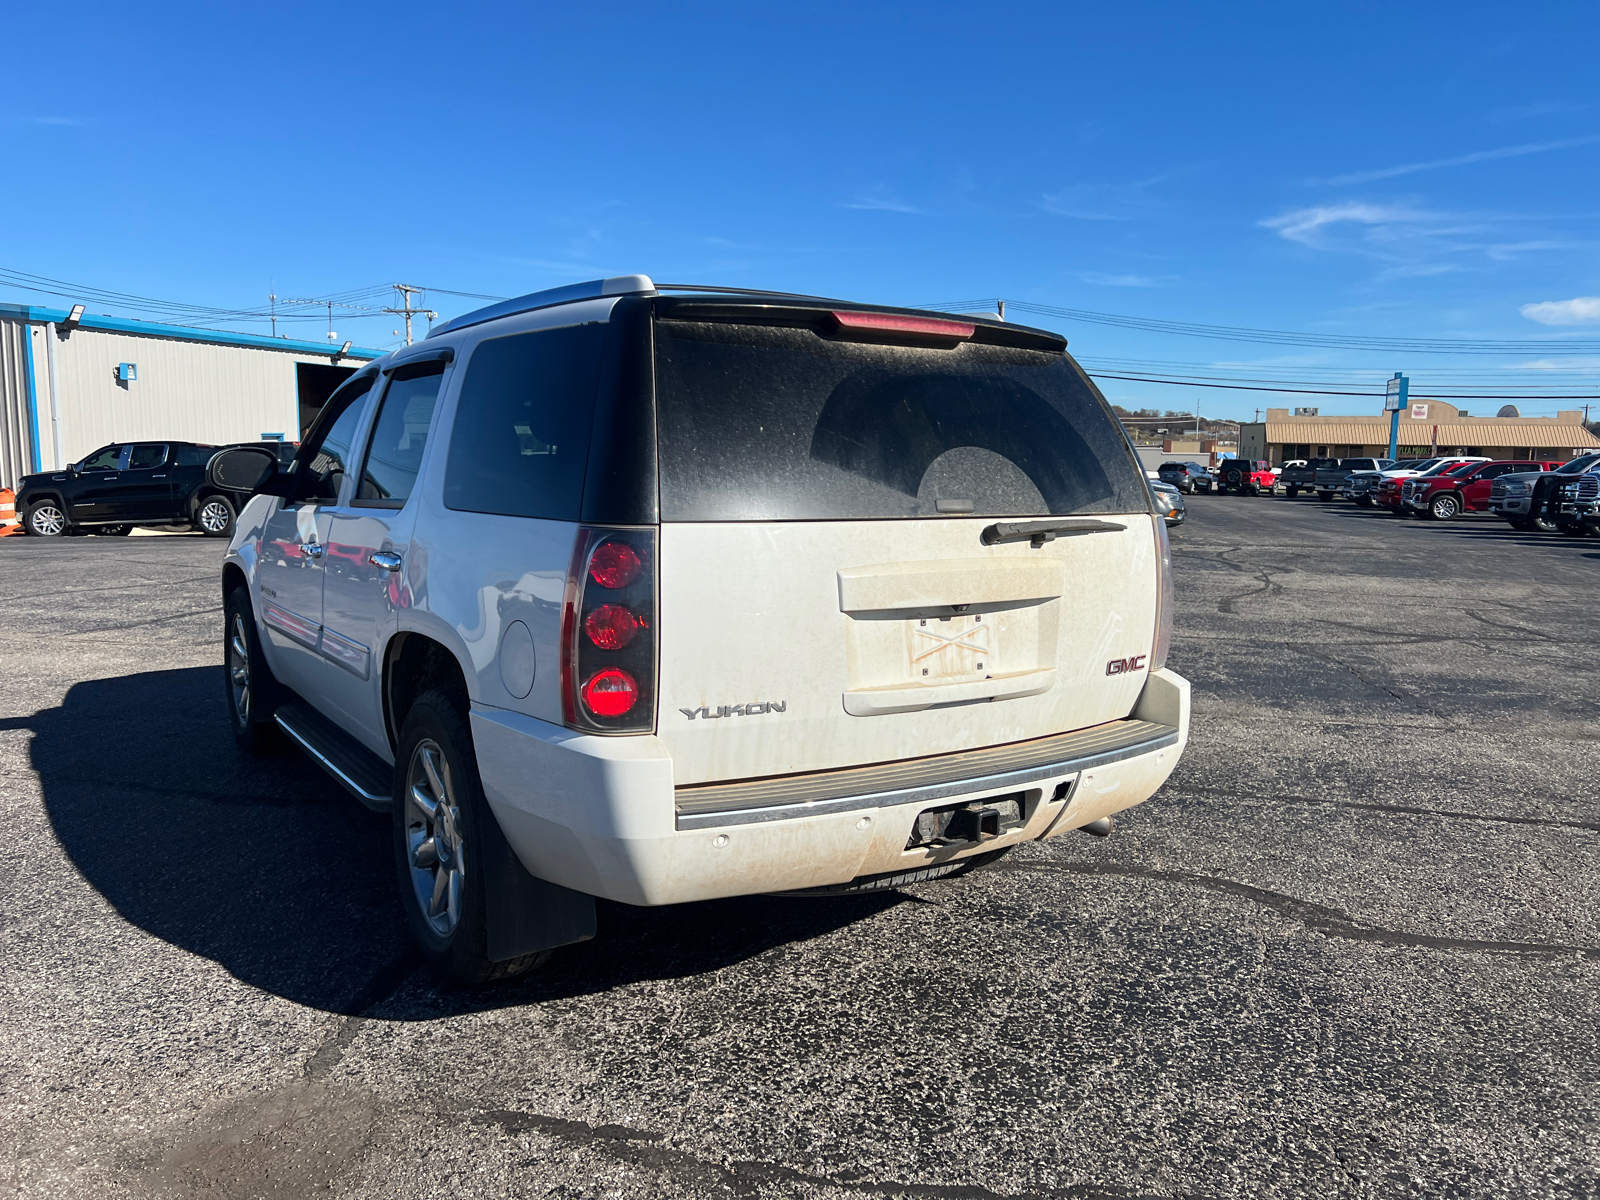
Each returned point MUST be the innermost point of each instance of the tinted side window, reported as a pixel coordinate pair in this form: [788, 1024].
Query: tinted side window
[394, 453]
[194, 456]
[103, 460]
[145, 457]
[521, 436]
[326, 459]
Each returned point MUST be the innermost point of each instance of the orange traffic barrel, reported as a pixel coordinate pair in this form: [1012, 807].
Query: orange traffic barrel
[8, 513]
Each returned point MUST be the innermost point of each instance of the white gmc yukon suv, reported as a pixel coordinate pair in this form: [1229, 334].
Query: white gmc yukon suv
[664, 594]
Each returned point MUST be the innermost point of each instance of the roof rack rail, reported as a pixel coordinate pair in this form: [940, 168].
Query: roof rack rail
[594, 289]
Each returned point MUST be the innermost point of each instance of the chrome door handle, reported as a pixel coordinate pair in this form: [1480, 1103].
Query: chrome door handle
[158, 477]
[312, 549]
[384, 560]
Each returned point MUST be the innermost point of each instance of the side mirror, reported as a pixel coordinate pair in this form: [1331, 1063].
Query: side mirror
[247, 469]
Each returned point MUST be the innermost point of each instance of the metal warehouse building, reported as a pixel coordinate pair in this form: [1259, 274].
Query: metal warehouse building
[1426, 429]
[69, 387]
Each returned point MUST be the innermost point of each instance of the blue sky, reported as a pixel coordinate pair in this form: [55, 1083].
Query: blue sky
[1419, 170]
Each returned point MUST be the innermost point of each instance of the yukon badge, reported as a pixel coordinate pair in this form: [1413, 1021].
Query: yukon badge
[736, 710]
[1122, 666]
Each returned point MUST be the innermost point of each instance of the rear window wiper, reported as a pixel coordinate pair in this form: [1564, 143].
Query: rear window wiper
[1040, 532]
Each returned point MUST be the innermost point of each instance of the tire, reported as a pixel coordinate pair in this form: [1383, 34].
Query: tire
[214, 517]
[112, 530]
[436, 771]
[899, 879]
[1522, 524]
[1364, 502]
[1292, 491]
[1572, 528]
[251, 691]
[47, 519]
[1542, 524]
[1445, 507]
[1324, 496]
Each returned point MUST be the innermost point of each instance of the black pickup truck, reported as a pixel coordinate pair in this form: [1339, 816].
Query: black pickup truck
[127, 484]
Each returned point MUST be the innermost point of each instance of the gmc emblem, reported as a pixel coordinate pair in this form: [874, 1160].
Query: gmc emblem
[1121, 666]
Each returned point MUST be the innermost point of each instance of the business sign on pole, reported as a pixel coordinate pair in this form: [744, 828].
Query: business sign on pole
[1394, 397]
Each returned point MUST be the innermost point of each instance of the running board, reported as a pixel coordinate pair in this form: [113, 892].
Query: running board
[364, 775]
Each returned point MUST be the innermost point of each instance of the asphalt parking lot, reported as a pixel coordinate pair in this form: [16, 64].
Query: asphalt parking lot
[1351, 948]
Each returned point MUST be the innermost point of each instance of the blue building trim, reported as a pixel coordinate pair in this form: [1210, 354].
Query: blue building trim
[182, 333]
[33, 400]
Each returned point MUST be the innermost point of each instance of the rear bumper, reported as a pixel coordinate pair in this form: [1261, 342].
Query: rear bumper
[601, 815]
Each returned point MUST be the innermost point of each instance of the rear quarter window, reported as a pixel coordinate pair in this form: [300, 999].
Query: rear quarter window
[781, 423]
[520, 440]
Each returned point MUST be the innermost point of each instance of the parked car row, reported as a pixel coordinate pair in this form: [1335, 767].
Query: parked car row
[134, 483]
[1530, 494]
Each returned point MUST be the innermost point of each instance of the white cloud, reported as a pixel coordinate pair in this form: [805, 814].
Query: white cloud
[1581, 310]
[1577, 365]
[1142, 281]
[1102, 201]
[878, 200]
[1306, 225]
[1463, 160]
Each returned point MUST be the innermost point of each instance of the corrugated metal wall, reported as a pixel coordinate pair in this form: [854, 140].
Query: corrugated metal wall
[188, 391]
[16, 442]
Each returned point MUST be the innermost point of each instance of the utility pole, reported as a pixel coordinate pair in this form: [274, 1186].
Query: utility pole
[1001, 306]
[272, 298]
[406, 292]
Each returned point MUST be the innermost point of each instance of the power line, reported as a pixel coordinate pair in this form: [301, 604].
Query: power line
[1242, 387]
[1280, 337]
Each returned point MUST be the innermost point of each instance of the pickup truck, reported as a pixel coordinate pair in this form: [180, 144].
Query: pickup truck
[1466, 489]
[1530, 501]
[1363, 485]
[1327, 477]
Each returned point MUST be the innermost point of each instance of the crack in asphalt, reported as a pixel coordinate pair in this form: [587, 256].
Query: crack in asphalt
[384, 983]
[1409, 809]
[747, 1177]
[130, 586]
[1413, 702]
[1317, 918]
[209, 610]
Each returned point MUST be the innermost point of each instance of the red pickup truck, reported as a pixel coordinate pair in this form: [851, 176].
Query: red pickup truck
[1465, 489]
[1387, 492]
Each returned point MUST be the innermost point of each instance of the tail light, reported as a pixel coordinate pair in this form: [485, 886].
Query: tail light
[1166, 599]
[608, 632]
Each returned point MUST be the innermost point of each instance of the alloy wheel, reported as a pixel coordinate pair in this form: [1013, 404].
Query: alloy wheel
[47, 520]
[213, 516]
[433, 838]
[1445, 507]
[239, 669]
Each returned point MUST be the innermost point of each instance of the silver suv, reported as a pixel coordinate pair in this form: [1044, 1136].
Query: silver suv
[665, 594]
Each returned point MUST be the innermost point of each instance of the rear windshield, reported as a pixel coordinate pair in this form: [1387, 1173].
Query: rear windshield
[783, 424]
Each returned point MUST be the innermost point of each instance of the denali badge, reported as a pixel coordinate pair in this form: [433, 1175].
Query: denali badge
[736, 710]
[1121, 666]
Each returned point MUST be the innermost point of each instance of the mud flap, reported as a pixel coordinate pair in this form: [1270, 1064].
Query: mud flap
[524, 914]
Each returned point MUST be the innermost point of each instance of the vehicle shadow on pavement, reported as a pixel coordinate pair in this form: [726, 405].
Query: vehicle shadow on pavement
[265, 866]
